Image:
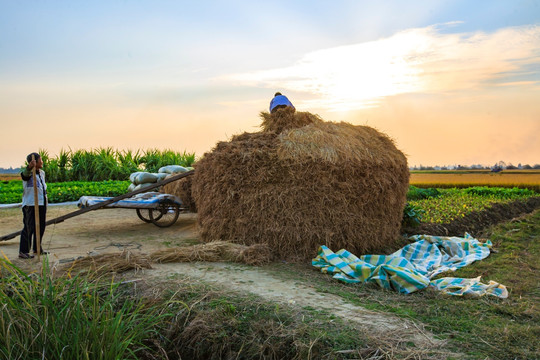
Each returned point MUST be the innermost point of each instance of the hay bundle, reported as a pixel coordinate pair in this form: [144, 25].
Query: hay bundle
[215, 251]
[107, 263]
[98, 265]
[300, 183]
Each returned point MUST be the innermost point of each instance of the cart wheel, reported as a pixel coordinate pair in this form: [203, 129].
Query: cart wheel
[145, 214]
[165, 214]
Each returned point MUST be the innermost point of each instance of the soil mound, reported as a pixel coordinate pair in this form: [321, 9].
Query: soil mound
[300, 183]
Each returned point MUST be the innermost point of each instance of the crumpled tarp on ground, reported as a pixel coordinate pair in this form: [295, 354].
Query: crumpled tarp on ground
[414, 267]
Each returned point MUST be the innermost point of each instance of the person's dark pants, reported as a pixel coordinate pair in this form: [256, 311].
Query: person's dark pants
[29, 229]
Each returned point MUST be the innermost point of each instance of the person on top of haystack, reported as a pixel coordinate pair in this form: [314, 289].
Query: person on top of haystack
[29, 229]
[280, 101]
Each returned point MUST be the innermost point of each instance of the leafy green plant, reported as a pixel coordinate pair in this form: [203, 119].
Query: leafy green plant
[412, 215]
[455, 203]
[11, 191]
[416, 193]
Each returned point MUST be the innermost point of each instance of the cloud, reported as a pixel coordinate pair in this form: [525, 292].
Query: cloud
[422, 60]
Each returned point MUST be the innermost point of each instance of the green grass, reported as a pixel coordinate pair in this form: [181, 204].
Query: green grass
[194, 320]
[229, 325]
[482, 328]
[48, 317]
[76, 318]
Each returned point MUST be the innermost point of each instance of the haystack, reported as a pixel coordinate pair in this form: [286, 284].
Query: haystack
[300, 183]
[182, 189]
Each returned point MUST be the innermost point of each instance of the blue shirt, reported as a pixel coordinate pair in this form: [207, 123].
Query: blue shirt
[280, 100]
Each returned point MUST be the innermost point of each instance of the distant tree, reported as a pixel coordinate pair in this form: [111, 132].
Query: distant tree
[511, 167]
[11, 170]
[536, 166]
[527, 167]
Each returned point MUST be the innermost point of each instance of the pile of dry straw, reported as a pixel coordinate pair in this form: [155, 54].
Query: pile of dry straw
[300, 183]
[216, 251]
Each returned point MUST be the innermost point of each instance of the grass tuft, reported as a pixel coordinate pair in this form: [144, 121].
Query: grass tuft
[43, 316]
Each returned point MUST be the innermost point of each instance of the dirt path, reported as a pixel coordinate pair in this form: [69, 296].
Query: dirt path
[114, 230]
[247, 279]
[97, 232]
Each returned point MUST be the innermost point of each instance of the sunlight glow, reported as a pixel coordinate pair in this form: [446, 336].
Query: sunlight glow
[423, 60]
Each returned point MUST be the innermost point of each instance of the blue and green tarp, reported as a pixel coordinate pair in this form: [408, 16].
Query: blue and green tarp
[415, 266]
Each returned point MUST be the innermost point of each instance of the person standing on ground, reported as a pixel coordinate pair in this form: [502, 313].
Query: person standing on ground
[280, 101]
[28, 208]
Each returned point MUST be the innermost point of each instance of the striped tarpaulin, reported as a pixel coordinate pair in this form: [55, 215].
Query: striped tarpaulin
[415, 266]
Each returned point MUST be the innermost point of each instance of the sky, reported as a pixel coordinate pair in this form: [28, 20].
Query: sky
[451, 82]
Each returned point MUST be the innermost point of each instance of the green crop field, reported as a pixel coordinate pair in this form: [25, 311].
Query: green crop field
[446, 205]
[11, 191]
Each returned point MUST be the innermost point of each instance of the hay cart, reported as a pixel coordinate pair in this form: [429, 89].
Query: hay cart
[157, 208]
[162, 212]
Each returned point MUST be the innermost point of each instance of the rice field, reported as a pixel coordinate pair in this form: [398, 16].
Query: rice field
[529, 179]
[8, 177]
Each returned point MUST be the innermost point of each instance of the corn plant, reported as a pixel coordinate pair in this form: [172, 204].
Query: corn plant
[108, 164]
[129, 162]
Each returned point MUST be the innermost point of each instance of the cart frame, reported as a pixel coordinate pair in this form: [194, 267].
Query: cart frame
[105, 203]
[157, 208]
